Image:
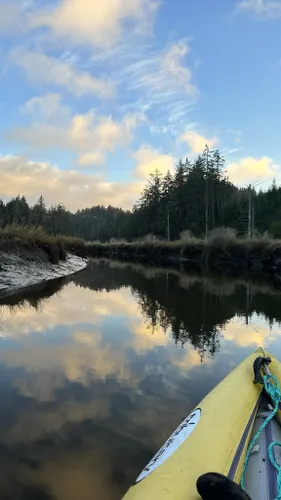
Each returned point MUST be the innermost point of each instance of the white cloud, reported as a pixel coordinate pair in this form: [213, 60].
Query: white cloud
[197, 142]
[149, 159]
[263, 8]
[100, 23]
[47, 108]
[43, 69]
[248, 170]
[87, 135]
[90, 159]
[73, 188]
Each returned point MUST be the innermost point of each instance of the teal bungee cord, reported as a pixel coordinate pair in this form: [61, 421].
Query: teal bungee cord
[277, 467]
[272, 388]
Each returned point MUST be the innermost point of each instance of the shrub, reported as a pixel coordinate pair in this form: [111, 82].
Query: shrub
[222, 236]
[150, 238]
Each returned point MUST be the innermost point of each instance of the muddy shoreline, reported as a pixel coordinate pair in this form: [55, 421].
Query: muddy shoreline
[20, 268]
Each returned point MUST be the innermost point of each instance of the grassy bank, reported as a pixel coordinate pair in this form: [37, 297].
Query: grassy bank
[221, 253]
[15, 238]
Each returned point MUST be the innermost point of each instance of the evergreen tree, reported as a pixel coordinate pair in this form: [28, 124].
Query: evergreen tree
[39, 212]
[150, 205]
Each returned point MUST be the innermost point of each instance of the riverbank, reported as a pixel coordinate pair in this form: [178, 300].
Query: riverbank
[29, 256]
[220, 254]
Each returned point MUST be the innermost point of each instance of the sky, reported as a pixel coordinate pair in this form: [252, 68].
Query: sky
[94, 96]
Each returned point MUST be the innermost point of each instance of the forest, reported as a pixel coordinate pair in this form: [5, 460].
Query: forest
[196, 198]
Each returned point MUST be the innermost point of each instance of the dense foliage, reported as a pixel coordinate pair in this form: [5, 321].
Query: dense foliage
[197, 198]
[92, 223]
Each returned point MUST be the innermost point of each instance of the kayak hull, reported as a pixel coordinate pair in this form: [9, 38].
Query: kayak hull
[213, 438]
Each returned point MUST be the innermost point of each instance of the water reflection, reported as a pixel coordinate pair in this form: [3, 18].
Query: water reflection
[194, 308]
[97, 369]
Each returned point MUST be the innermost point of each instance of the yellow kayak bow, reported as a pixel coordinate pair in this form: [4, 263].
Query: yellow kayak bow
[214, 437]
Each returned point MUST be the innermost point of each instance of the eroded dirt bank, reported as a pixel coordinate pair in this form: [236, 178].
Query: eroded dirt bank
[20, 268]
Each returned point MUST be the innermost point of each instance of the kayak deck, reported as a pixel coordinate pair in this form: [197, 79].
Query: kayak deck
[216, 437]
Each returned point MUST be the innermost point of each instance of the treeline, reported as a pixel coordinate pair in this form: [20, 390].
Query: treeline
[90, 224]
[197, 197]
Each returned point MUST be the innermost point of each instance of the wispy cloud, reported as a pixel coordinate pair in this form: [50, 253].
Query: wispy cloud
[151, 73]
[161, 83]
[232, 151]
[43, 69]
[263, 8]
[99, 23]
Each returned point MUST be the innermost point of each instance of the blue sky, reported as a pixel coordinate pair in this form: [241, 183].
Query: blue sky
[95, 95]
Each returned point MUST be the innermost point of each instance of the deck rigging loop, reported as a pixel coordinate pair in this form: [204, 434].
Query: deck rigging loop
[272, 388]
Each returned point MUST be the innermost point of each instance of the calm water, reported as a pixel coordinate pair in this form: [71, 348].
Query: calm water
[98, 369]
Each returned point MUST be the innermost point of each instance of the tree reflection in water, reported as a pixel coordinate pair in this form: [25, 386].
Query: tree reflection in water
[194, 307]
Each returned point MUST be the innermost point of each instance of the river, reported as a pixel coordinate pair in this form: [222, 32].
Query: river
[97, 369]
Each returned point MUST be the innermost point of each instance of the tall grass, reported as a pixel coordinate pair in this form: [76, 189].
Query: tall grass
[186, 236]
[15, 237]
[222, 236]
[73, 244]
[222, 251]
